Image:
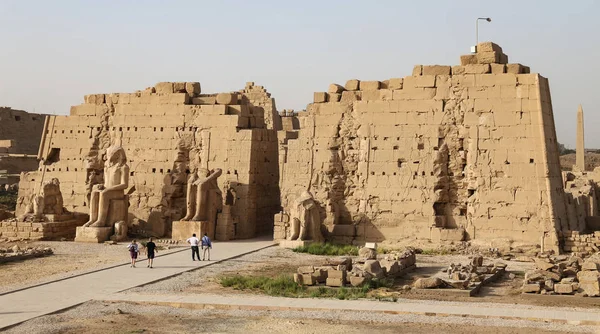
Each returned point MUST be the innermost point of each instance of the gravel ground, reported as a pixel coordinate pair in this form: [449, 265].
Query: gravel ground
[69, 259]
[99, 317]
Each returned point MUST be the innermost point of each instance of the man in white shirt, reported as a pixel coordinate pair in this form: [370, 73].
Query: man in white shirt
[195, 251]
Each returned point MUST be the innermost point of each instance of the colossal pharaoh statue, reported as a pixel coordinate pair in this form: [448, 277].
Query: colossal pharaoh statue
[204, 202]
[116, 180]
[108, 202]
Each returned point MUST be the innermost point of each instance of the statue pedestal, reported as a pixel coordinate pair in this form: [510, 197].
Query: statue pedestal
[294, 243]
[183, 229]
[93, 234]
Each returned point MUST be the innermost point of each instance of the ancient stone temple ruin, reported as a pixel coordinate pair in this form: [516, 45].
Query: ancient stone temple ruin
[448, 153]
[166, 133]
[20, 134]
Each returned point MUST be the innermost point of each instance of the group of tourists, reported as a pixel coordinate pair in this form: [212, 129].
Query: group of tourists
[204, 243]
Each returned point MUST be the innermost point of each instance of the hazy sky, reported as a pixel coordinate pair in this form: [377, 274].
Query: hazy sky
[52, 53]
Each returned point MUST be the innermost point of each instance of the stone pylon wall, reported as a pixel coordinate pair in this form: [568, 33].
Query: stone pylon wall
[448, 153]
[166, 131]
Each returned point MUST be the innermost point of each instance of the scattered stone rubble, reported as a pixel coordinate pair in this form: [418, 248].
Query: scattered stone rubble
[469, 276]
[15, 253]
[564, 275]
[344, 271]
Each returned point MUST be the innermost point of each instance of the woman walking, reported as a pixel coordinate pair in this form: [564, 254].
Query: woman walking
[133, 252]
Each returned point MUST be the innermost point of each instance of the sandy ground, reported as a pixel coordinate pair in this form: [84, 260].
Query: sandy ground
[70, 258]
[105, 318]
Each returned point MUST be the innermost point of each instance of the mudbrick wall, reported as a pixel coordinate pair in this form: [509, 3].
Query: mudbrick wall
[20, 134]
[447, 153]
[167, 131]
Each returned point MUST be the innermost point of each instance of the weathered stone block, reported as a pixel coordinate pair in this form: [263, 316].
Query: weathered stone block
[369, 85]
[488, 57]
[454, 234]
[417, 70]
[204, 100]
[334, 282]
[351, 96]
[563, 288]
[477, 68]
[428, 283]
[436, 70]
[395, 83]
[334, 97]
[531, 288]
[468, 60]
[352, 85]
[514, 68]
[164, 88]
[589, 282]
[182, 230]
[179, 87]
[358, 281]
[320, 97]
[332, 273]
[93, 234]
[488, 47]
[192, 88]
[306, 270]
[498, 68]
[227, 98]
[590, 266]
[335, 89]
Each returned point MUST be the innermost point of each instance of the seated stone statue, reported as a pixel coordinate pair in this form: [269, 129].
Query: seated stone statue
[200, 183]
[116, 180]
[48, 202]
[306, 220]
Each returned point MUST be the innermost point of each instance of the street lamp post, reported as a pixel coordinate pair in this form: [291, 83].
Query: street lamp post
[477, 30]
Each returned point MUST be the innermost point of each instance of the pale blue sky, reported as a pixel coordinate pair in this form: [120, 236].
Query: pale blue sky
[54, 52]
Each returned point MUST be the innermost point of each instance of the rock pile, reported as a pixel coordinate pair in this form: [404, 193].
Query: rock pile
[15, 253]
[344, 271]
[463, 276]
[564, 275]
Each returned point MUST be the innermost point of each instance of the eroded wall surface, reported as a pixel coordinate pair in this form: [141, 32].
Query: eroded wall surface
[447, 153]
[20, 134]
[167, 131]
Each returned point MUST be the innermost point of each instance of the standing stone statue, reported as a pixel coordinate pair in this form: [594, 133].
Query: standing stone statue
[199, 203]
[306, 221]
[116, 180]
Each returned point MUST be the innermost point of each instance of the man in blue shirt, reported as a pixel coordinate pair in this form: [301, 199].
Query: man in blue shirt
[206, 247]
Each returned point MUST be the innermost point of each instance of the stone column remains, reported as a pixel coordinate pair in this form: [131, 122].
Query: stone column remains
[580, 148]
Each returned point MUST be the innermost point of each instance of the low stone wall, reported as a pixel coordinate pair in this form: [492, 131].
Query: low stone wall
[40, 230]
[576, 242]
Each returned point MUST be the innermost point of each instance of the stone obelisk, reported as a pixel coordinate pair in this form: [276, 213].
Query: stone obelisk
[580, 148]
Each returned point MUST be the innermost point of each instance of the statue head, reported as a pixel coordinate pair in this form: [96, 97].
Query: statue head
[115, 155]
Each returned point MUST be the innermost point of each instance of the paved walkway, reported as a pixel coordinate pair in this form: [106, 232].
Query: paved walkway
[48, 298]
[403, 306]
